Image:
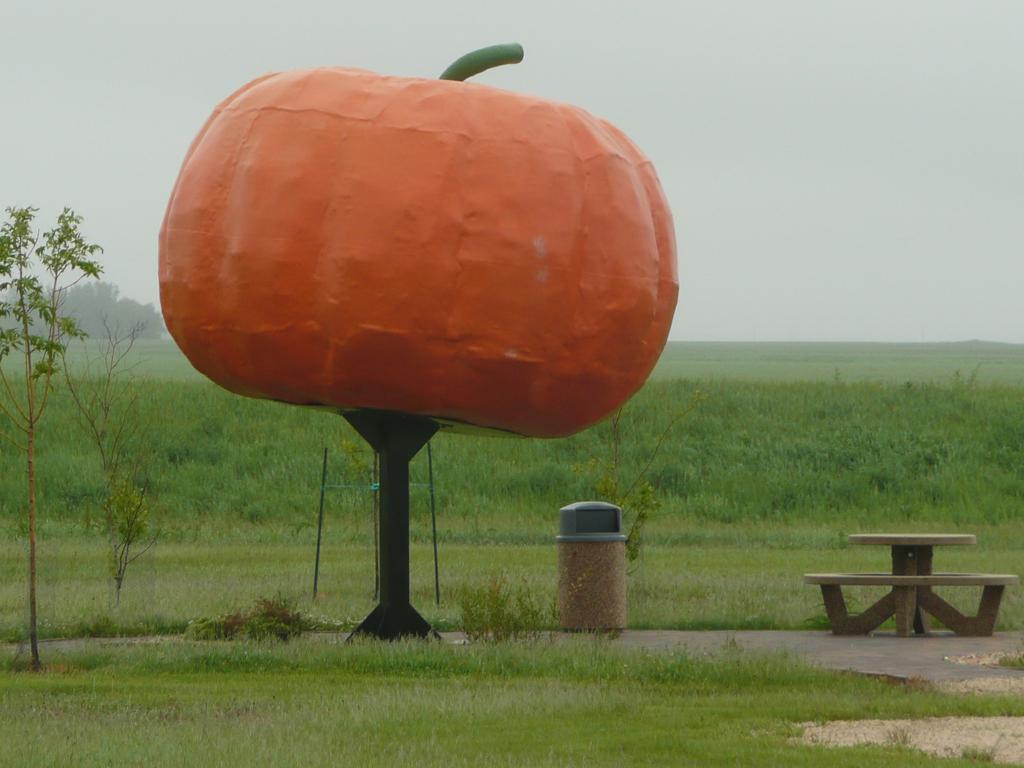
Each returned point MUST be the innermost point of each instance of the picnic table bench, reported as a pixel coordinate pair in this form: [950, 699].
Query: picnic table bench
[912, 594]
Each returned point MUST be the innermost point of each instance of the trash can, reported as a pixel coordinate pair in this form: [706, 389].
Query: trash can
[591, 567]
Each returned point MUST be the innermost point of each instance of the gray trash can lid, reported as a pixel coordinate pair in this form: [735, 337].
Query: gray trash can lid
[593, 521]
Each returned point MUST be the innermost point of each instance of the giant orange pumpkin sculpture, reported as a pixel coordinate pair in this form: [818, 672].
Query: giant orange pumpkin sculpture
[418, 254]
[432, 247]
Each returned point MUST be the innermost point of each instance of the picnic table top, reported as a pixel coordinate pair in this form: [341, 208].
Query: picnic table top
[912, 539]
[906, 580]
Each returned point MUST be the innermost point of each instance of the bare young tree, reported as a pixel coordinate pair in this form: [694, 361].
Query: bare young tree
[105, 392]
[105, 396]
[130, 534]
[637, 497]
[34, 331]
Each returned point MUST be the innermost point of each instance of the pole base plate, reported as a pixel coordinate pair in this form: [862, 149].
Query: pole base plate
[394, 622]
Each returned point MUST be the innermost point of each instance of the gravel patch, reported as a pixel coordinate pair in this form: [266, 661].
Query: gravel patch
[996, 739]
[982, 659]
[1005, 686]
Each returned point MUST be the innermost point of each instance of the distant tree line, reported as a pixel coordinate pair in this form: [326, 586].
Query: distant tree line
[98, 306]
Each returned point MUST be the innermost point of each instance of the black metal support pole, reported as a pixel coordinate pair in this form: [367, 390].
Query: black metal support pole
[396, 438]
[320, 525]
[375, 510]
[433, 524]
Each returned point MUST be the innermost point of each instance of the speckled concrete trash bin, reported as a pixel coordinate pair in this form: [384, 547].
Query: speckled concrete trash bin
[591, 567]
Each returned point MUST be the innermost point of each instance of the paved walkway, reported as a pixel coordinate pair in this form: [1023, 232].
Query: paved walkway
[901, 658]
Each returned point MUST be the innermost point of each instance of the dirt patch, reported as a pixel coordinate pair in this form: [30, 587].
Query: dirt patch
[996, 739]
[1006, 686]
[982, 659]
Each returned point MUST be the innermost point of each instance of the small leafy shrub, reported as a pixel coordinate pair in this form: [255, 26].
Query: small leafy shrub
[898, 737]
[978, 754]
[226, 627]
[274, 619]
[637, 498]
[129, 522]
[1012, 661]
[269, 619]
[500, 611]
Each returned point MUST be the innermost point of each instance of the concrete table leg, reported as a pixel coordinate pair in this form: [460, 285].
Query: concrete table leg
[981, 625]
[861, 624]
[911, 561]
[906, 609]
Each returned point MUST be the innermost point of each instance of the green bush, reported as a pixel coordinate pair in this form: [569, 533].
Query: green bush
[269, 619]
[500, 611]
[274, 619]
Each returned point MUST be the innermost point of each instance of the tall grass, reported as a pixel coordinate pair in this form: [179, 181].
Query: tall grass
[753, 452]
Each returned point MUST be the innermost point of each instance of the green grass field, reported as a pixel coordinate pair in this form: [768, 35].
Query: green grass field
[732, 581]
[576, 703]
[790, 448]
[985, 362]
[841, 453]
[760, 482]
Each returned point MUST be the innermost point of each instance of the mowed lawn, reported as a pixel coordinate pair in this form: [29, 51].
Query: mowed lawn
[577, 702]
[738, 578]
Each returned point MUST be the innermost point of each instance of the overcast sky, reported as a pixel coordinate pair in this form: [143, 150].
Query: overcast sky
[837, 170]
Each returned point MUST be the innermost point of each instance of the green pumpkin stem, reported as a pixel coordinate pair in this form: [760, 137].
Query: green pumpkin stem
[475, 62]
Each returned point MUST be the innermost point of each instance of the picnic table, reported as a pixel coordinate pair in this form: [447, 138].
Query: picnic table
[912, 595]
